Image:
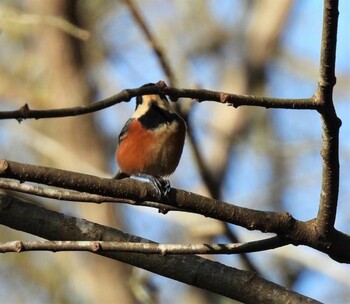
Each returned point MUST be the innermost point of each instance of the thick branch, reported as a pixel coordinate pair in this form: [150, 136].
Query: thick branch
[135, 190]
[193, 270]
[200, 95]
[330, 122]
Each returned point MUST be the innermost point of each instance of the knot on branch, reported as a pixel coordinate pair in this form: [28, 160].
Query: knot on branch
[18, 246]
[161, 84]
[24, 111]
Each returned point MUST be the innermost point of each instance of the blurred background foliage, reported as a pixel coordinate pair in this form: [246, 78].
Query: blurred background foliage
[63, 53]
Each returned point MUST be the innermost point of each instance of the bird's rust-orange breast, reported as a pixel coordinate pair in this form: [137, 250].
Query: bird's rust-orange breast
[132, 152]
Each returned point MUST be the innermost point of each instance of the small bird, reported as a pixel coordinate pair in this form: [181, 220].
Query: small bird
[151, 142]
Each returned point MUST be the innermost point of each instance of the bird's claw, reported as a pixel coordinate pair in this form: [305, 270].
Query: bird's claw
[162, 185]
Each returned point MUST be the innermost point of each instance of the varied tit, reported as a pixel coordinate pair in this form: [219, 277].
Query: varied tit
[151, 141]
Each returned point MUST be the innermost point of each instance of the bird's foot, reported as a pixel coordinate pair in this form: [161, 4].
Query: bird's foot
[162, 185]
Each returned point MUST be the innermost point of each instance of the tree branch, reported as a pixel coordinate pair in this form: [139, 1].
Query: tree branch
[283, 224]
[149, 248]
[193, 270]
[135, 190]
[330, 122]
[161, 88]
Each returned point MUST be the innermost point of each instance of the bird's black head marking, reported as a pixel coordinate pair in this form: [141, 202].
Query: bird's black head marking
[139, 98]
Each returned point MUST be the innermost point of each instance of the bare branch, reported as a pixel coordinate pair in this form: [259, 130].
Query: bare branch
[161, 88]
[149, 248]
[135, 190]
[281, 223]
[192, 270]
[328, 46]
[330, 122]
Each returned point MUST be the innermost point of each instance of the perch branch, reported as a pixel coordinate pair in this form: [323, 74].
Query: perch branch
[135, 190]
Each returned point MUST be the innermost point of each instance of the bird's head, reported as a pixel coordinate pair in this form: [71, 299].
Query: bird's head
[146, 102]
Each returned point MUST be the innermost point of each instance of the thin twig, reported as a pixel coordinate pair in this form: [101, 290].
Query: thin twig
[200, 95]
[144, 247]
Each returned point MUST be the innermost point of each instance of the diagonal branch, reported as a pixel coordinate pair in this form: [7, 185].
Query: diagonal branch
[161, 88]
[330, 122]
[192, 270]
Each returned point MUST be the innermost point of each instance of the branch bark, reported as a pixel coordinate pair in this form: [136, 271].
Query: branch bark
[330, 122]
[135, 190]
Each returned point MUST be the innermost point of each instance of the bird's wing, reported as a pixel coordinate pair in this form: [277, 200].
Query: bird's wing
[125, 129]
